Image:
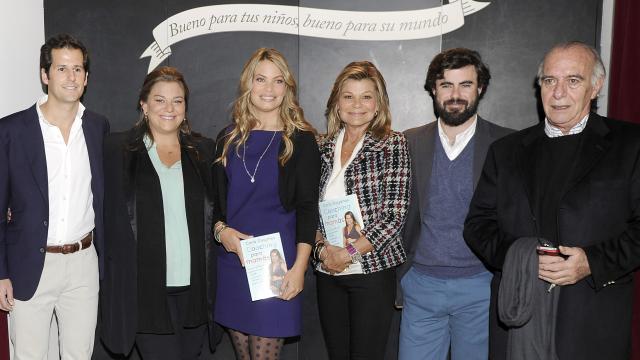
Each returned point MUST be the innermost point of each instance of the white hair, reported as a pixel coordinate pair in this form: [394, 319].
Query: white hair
[598, 72]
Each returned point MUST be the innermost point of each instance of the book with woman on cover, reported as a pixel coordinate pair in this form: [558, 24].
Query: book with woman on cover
[265, 265]
[341, 219]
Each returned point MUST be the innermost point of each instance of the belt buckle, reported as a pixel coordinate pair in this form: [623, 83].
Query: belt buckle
[68, 249]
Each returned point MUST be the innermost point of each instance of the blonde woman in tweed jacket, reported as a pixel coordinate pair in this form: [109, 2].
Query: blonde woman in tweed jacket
[361, 155]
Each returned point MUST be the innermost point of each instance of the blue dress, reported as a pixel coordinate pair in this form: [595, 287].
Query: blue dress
[255, 209]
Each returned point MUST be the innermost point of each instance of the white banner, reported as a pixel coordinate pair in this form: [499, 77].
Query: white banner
[321, 23]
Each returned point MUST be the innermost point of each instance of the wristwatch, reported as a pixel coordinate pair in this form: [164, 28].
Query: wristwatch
[356, 257]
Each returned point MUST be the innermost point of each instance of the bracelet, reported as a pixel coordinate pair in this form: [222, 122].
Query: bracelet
[320, 254]
[314, 253]
[218, 230]
[218, 225]
[317, 249]
[219, 233]
[356, 257]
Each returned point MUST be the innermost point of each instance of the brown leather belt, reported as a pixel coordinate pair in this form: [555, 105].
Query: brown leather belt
[71, 248]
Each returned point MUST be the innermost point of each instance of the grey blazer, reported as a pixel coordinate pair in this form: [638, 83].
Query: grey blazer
[421, 142]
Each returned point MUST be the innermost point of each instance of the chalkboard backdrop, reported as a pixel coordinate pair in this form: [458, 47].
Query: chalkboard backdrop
[511, 35]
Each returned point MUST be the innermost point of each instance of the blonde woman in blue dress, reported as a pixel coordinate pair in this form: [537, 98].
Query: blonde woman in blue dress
[266, 180]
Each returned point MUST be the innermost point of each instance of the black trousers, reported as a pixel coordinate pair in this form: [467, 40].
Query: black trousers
[183, 344]
[355, 313]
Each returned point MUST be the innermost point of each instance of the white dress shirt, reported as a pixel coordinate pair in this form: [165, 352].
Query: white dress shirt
[461, 140]
[71, 215]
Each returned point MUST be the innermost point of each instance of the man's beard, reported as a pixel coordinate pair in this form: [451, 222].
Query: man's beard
[459, 117]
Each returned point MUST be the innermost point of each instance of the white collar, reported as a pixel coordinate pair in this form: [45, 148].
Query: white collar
[44, 99]
[461, 140]
[553, 131]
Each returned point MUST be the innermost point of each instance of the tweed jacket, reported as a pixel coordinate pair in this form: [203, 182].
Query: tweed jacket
[380, 176]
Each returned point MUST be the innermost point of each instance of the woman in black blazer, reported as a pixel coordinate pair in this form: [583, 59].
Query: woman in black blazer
[157, 289]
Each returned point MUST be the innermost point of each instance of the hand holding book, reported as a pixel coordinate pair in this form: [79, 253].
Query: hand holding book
[292, 284]
[335, 259]
[230, 240]
[266, 268]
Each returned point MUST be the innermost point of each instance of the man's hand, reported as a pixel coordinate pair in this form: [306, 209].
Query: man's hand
[560, 271]
[6, 295]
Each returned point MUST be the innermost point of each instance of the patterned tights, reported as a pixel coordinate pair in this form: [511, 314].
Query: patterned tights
[252, 347]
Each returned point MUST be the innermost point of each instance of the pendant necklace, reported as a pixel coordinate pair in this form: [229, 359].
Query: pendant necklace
[244, 150]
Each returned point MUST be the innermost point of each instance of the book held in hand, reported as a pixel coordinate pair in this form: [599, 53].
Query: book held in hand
[341, 219]
[265, 265]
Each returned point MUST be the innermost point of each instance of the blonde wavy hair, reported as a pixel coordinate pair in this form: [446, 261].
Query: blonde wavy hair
[244, 117]
[360, 70]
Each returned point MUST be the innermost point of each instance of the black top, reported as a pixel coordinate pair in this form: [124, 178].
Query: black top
[554, 166]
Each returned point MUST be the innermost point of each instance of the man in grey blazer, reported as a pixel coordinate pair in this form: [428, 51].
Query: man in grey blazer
[445, 288]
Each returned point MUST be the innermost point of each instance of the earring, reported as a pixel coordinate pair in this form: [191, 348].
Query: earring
[145, 118]
[184, 126]
[375, 114]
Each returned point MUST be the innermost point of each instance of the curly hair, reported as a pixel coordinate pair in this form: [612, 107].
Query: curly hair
[455, 59]
[244, 116]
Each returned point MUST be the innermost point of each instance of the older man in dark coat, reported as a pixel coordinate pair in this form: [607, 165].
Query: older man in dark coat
[574, 181]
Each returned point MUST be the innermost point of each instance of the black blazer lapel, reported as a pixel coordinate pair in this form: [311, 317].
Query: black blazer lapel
[193, 193]
[526, 161]
[483, 140]
[131, 168]
[593, 146]
[33, 144]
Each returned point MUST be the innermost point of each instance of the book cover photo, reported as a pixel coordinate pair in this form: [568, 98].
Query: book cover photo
[341, 219]
[264, 264]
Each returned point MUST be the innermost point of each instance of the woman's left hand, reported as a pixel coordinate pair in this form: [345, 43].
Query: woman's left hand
[292, 284]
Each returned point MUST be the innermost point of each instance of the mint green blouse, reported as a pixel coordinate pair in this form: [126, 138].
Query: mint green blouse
[176, 230]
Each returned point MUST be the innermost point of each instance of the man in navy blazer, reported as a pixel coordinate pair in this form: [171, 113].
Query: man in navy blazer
[51, 195]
